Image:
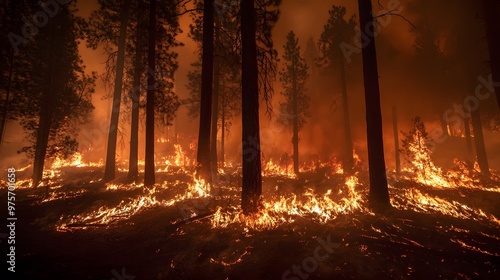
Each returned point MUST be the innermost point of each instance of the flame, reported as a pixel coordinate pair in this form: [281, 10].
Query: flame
[270, 168]
[473, 248]
[75, 161]
[413, 199]
[106, 215]
[277, 211]
[423, 171]
[238, 260]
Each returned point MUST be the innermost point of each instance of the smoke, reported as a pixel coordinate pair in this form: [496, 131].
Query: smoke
[403, 81]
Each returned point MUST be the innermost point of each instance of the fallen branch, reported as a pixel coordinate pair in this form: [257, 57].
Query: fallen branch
[175, 226]
[77, 225]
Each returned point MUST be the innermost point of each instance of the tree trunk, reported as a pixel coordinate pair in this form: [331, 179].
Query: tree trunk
[491, 10]
[149, 160]
[349, 158]
[207, 75]
[48, 101]
[295, 127]
[7, 97]
[468, 140]
[223, 134]
[109, 172]
[133, 169]
[42, 137]
[396, 140]
[215, 106]
[379, 193]
[482, 158]
[252, 176]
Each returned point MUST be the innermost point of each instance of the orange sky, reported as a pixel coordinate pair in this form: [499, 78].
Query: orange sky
[306, 19]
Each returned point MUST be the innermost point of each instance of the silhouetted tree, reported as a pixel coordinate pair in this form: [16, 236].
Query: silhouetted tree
[207, 70]
[149, 160]
[294, 78]
[252, 176]
[104, 30]
[133, 168]
[53, 94]
[379, 192]
[110, 169]
[337, 31]
[469, 53]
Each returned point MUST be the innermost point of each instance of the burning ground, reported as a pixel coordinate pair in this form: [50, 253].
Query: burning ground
[443, 225]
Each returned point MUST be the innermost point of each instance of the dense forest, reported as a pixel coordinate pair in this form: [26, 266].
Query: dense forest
[250, 139]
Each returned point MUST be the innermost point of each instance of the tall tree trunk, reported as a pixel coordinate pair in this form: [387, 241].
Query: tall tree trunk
[295, 126]
[482, 158]
[349, 157]
[468, 140]
[396, 140]
[109, 172]
[42, 136]
[149, 160]
[7, 97]
[379, 193]
[48, 101]
[252, 176]
[491, 11]
[215, 105]
[207, 76]
[223, 133]
[133, 168]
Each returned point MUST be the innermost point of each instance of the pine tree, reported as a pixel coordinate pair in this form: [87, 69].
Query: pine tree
[338, 30]
[110, 169]
[102, 31]
[252, 176]
[207, 70]
[294, 110]
[55, 95]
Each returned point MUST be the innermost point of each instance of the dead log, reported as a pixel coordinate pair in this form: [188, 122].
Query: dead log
[175, 226]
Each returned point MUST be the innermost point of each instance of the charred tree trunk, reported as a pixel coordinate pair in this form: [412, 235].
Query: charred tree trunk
[482, 158]
[109, 172]
[491, 10]
[379, 193]
[396, 140]
[223, 134]
[215, 107]
[349, 158]
[42, 136]
[252, 176]
[133, 169]
[468, 140]
[295, 126]
[207, 76]
[47, 104]
[7, 97]
[149, 160]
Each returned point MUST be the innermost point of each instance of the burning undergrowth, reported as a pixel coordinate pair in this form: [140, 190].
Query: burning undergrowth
[206, 229]
[319, 197]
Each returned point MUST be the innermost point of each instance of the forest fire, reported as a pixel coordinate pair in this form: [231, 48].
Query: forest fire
[74, 161]
[279, 210]
[250, 139]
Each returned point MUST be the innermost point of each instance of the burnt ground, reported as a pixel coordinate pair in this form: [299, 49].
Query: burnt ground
[400, 244]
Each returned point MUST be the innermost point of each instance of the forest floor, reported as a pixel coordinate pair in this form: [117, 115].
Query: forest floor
[441, 235]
